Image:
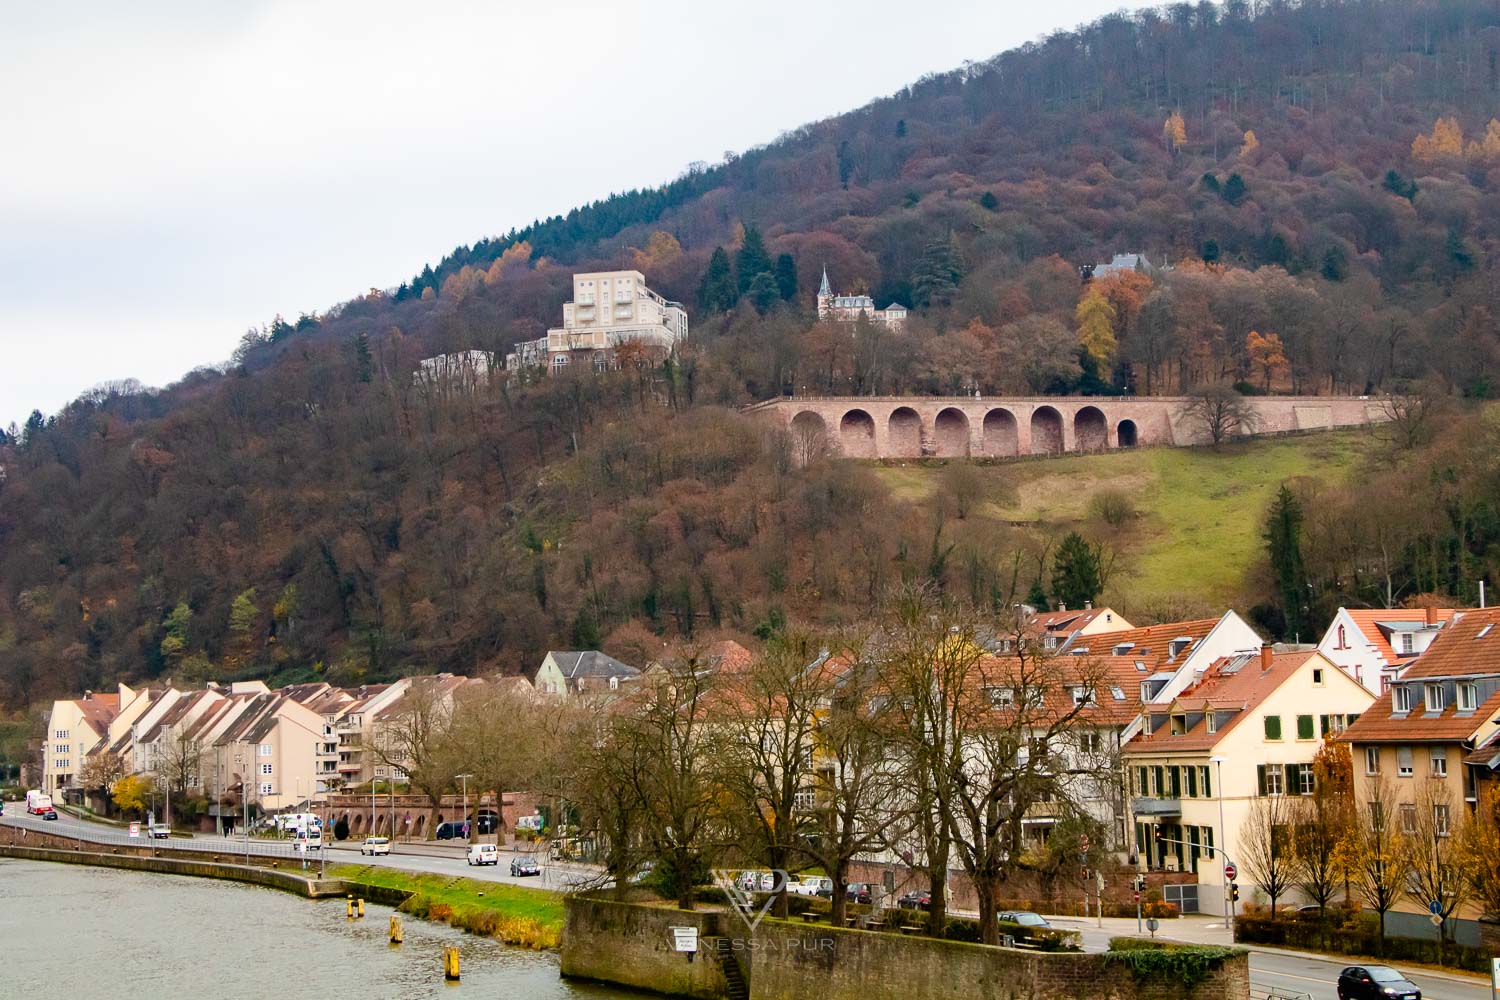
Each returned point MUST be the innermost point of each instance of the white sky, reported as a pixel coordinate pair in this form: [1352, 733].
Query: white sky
[173, 173]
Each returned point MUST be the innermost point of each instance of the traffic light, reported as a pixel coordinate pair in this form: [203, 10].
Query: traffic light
[1234, 892]
[1158, 833]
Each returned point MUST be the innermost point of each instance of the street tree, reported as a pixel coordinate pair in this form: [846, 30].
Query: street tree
[1437, 872]
[1477, 853]
[1377, 852]
[132, 792]
[417, 740]
[1266, 850]
[101, 771]
[1320, 822]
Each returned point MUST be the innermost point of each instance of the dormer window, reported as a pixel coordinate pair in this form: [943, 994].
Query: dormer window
[1434, 697]
[1178, 645]
[1001, 697]
[1083, 695]
[1179, 725]
[1123, 648]
[1400, 699]
[1405, 643]
[1212, 722]
[1117, 693]
[1468, 697]
[614, 683]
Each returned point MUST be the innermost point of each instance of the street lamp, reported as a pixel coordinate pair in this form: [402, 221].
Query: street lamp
[1218, 762]
[464, 778]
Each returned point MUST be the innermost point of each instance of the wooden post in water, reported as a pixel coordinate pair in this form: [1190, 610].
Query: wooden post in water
[395, 929]
[450, 962]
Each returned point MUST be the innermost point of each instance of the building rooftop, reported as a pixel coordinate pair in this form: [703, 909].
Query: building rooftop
[1468, 647]
[1233, 684]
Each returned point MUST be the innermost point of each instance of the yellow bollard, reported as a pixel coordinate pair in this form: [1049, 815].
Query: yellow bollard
[450, 962]
[349, 908]
[359, 905]
[395, 929]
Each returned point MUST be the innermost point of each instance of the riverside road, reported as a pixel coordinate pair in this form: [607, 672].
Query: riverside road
[1289, 974]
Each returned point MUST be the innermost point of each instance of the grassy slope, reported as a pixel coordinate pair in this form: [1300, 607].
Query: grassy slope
[517, 915]
[1199, 512]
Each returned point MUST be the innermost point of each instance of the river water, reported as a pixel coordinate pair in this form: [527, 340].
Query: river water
[85, 933]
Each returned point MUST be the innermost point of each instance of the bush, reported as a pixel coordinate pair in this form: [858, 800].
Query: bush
[1045, 938]
[1160, 909]
[1343, 931]
[1113, 507]
[341, 829]
[1187, 965]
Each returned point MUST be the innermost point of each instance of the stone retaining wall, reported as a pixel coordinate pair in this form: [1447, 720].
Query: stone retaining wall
[286, 881]
[630, 944]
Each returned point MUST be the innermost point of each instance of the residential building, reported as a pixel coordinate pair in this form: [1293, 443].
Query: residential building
[1430, 740]
[1248, 727]
[74, 727]
[574, 672]
[849, 308]
[610, 309]
[462, 372]
[1124, 262]
[354, 727]
[1373, 644]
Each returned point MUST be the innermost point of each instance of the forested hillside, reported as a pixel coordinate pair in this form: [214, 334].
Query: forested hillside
[1321, 178]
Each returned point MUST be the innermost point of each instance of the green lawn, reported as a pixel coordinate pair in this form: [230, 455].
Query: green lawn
[1199, 511]
[515, 914]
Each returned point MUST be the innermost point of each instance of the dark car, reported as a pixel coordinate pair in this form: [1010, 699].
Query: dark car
[50, 814]
[452, 831]
[524, 866]
[1376, 982]
[915, 900]
[858, 892]
[1023, 917]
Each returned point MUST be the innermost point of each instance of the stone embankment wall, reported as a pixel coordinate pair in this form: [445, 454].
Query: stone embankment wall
[631, 945]
[964, 427]
[286, 881]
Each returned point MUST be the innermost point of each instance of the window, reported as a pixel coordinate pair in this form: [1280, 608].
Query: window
[1192, 782]
[1304, 727]
[1440, 820]
[265, 769]
[60, 748]
[1179, 725]
[1403, 762]
[265, 749]
[380, 772]
[1377, 817]
[1050, 642]
[61, 765]
[1268, 779]
[559, 361]
[60, 734]
[1083, 695]
[805, 800]
[267, 789]
[1117, 693]
[1343, 639]
[1332, 724]
[1372, 760]
[1408, 818]
[1273, 727]
[1317, 677]
[1211, 721]
[1143, 781]
[1401, 700]
[1405, 643]
[1208, 791]
[1439, 762]
[1468, 697]
[1001, 697]
[1159, 781]
[1434, 697]
[1306, 783]
[614, 683]
[1090, 741]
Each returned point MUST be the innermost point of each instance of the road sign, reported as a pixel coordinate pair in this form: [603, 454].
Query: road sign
[1437, 921]
[685, 939]
[1495, 975]
[1230, 871]
[1083, 843]
[135, 829]
[1434, 907]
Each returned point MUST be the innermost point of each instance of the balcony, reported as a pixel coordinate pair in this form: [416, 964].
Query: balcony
[350, 767]
[1152, 806]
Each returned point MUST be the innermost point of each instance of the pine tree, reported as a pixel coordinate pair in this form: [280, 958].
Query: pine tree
[763, 293]
[901, 129]
[938, 273]
[1076, 572]
[364, 365]
[786, 277]
[1036, 596]
[716, 292]
[1283, 537]
[988, 201]
[1234, 189]
[751, 259]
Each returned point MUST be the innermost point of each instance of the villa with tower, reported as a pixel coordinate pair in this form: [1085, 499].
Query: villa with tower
[848, 308]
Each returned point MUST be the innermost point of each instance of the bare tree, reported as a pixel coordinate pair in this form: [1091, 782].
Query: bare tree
[1266, 851]
[1436, 875]
[1413, 416]
[1221, 413]
[101, 771]
[417, 740]
[180, 762]
[1378, 852]
[499, 735]
[601, 776]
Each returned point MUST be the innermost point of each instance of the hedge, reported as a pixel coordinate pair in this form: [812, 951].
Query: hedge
[1340, 931]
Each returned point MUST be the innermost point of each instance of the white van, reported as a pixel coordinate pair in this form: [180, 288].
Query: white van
[484, 854]
[312, 837]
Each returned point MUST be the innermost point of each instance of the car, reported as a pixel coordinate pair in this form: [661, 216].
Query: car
[375, 845]
[452, 831]
[1376, 982]
[488, 821]
[521, 867]
[749, 881]
[50, 814]
[915, 900]
[812, 885]
[1023, 917]
[858, 892]
[484, 854]
[159, 831]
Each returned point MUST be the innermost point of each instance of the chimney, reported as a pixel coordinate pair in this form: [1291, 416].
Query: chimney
[1266, 653]
[1061, 606]
[1429, 615]
[1088, 605]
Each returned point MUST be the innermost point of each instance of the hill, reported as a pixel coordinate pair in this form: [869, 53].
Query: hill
[307, 509]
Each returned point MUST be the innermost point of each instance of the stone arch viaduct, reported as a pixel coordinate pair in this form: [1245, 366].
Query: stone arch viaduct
[967, 427]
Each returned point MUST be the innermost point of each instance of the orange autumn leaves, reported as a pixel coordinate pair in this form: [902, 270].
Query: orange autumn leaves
[1446, 142]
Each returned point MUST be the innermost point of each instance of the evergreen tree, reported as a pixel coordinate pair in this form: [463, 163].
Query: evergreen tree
[716, 292]
[1210, 252]
[1335, 264]
[988, 201]
[938, 273]
[1457, 251]
[751, 259]
[901, 128]
[1283, 537]
[1036, 596]
[1211, 183]
[1234, 189]
[1076, 573]
[364, 364]
[786, 277]
[846, 163]
[763, 293]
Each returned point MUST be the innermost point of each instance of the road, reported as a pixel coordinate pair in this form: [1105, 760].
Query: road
[433, 859]
[1289, 972]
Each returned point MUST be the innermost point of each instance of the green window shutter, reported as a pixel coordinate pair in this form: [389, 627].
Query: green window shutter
[1161, 780]
[1305, 726]
[1176, 782]
[1273, 727]
[1292, 771]
[1192, 782]
[1145, 785]
[1322, 725]
[1260, 779]
[1208, 789]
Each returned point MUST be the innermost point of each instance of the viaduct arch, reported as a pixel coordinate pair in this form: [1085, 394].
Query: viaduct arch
[963, 427]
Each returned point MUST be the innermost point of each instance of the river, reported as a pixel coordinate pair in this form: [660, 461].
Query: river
[85, 933]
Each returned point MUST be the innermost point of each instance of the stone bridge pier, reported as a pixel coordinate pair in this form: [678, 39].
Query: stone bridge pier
[965, 427]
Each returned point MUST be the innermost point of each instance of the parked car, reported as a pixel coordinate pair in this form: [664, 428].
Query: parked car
[858, 892]
[520, 867]
[749, 881]
[768, 881]
[811, 885]
[453, 831]
[915, 900]
[50, 814]
[1376, 982]
[159, 831]
[375, 845]
[1023, 917]
[484, 854]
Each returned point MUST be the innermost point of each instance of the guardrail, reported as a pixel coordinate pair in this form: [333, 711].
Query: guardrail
[1259, 991]
[121, 838]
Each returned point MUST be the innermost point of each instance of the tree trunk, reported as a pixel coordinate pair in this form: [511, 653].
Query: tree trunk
[989, 929]
[685, 885]
[839, 904]
[937, 883]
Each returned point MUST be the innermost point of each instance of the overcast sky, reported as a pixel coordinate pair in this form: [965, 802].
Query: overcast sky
[175, 173]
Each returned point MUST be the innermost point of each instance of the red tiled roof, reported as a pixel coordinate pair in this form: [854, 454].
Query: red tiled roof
[1239, 689]
[1468, 647]
[1380, 723]
[1368, 619]
[1150, 644]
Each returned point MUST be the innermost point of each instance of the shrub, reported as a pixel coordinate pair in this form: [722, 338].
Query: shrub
[1112, 506]
[341, 829]
[1160, 909]
[1187, 965]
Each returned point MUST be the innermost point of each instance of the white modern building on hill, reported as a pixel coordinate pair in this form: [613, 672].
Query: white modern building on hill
[610, 309]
